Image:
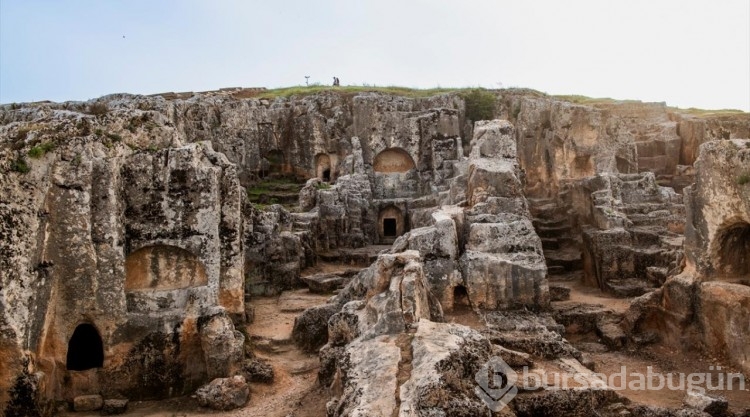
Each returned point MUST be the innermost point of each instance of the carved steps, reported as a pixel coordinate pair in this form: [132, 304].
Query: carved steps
[553, 225]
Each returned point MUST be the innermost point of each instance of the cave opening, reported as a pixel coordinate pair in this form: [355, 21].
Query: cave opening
[389, 227]
[85, 349]
[460, 296]
[733, 247]
[327, 175]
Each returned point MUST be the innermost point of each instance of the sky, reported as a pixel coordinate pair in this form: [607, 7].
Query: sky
[687, 53]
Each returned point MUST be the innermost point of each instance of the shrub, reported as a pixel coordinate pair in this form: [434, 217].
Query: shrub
[98, 109]
[20, 165]
[83, 126]
[114, 137]
[743, 179]
[22, 133]
[323, 186]
[39, 150]
[480, 104]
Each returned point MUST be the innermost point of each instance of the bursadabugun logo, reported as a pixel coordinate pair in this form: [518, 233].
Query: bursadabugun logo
[497, 381]
[496, 384]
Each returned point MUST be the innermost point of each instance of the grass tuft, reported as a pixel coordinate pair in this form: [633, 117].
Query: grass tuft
[40, 150]
[20, 165]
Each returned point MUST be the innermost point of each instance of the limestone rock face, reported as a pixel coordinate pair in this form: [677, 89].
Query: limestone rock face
[439, 379]
[503, 266]
[718, 211]
[128, 228]
[632, 238]
[224, 393]
[386, 298]
[717, 243]
[157, 244]
[346, 218]
[275, 252]
[716, 407]
[559, 141]
[223, 346]
[445, 359]
[723, 311]
[706, 306]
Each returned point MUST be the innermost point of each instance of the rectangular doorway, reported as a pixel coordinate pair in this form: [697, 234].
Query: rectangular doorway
[389, 227]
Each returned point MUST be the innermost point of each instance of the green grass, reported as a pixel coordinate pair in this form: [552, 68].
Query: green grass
[323, 186]
[20, 165]
[578, 99]
[260, 207]
[352, 89]
[269, 185]
[257, 191]
[39, 150]
[113, 136]
[480, 104]
[703, 112]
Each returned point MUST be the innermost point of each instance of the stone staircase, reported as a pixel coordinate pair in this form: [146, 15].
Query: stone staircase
[643, 224]
[276, 190]
[561, 246]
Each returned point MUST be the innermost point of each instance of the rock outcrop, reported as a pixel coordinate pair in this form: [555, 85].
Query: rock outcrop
[115, 262]
[707, 306]
[131, 246]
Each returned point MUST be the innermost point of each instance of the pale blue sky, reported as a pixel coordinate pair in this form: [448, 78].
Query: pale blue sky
[685, 52]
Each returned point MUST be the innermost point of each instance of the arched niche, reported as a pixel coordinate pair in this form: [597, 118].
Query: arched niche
[731, 251]
[85, 349]
[460, 297]
[390, 224]
[323, 167]
[163, 267]
[393, 160]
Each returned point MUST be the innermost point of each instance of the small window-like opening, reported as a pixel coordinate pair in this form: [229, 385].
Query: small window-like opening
[327, 175]
[460, 296]
[85, 349]
[389, 227]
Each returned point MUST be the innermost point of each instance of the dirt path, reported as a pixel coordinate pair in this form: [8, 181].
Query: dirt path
[581, 293]
[293, 390]
[661, 360]
[666, 362]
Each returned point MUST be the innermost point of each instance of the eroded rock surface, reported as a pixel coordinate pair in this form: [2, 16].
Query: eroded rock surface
[130, 246]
